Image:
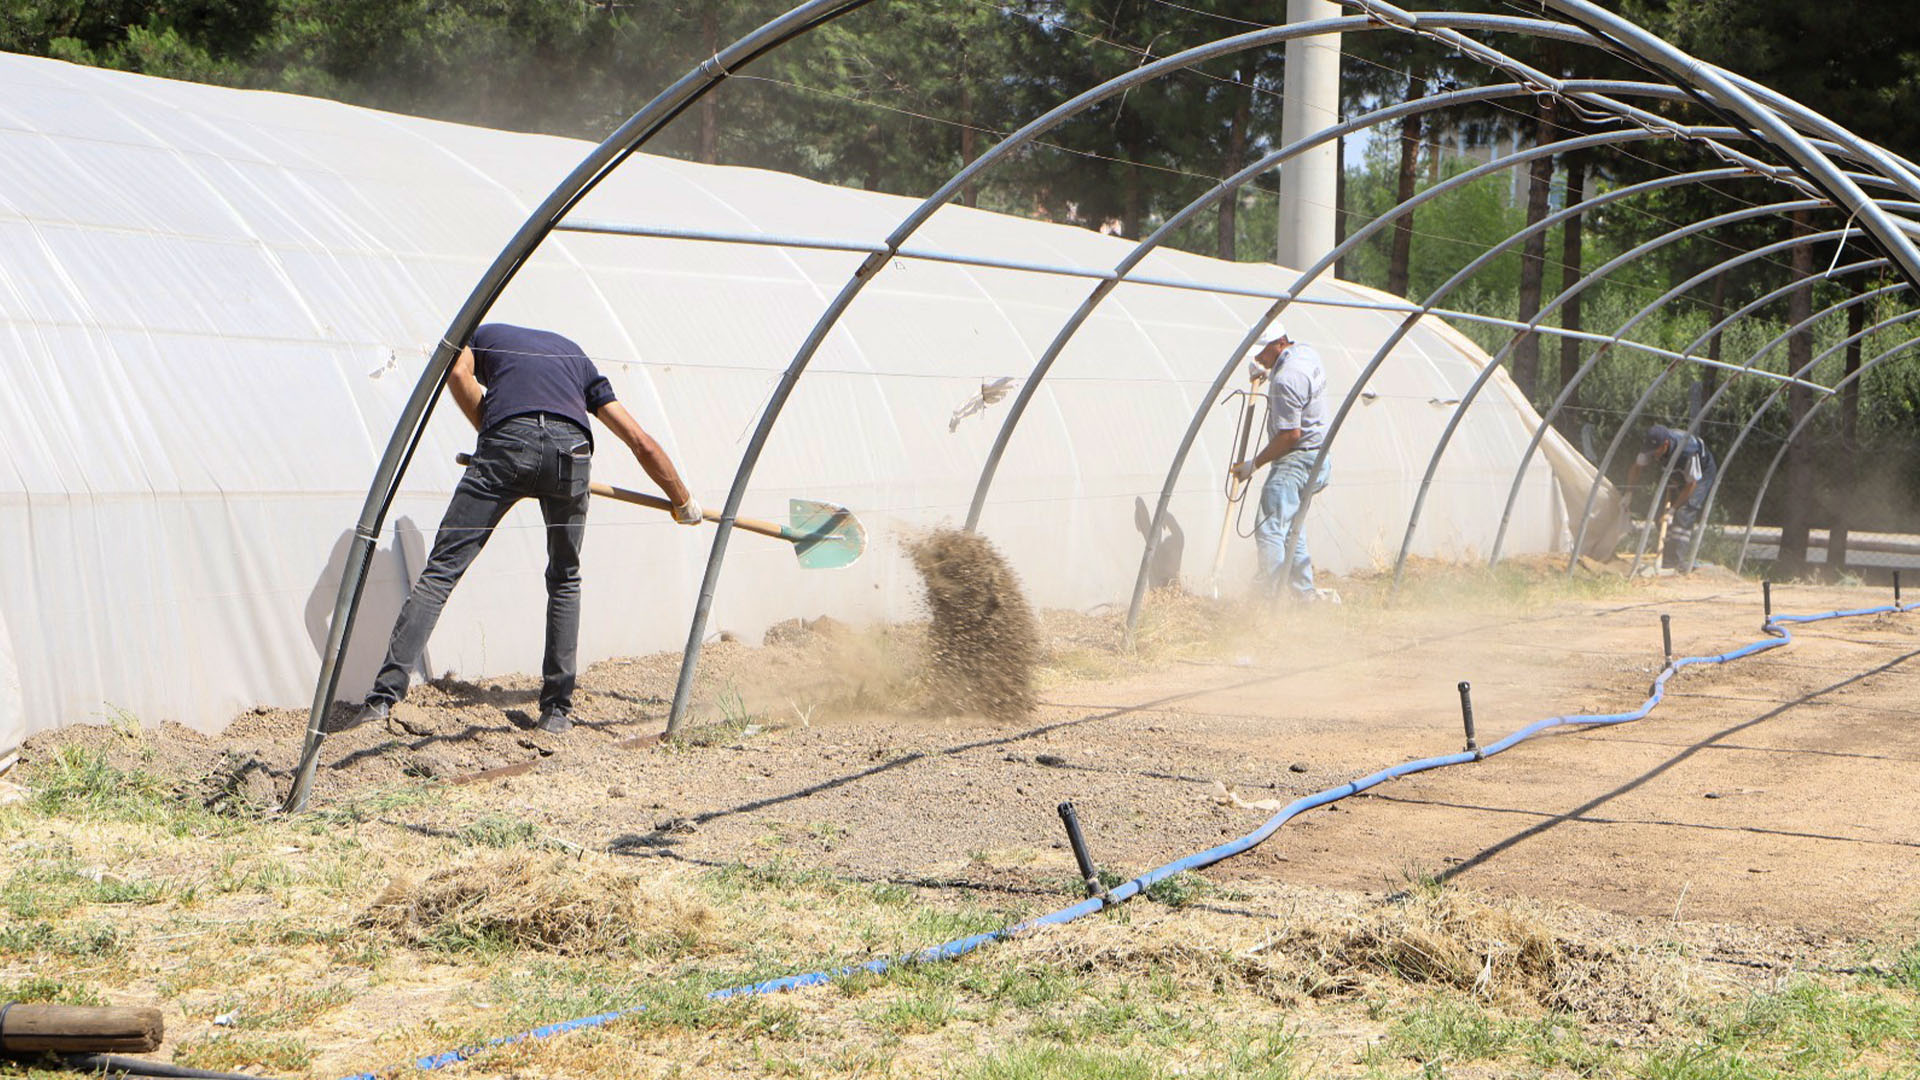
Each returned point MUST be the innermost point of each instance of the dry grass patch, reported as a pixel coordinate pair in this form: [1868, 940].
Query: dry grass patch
[1176, 624]
[1502, 953]
[551, 903]
[1509, 953]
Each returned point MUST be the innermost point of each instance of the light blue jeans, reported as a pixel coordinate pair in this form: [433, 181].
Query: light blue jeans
[1279, 501]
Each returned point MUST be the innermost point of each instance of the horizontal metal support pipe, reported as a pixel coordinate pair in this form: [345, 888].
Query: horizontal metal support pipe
[667, 232]
[1878, 543]
[1094, 273]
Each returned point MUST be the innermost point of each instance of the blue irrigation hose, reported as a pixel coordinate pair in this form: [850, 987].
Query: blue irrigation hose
[1774, 627]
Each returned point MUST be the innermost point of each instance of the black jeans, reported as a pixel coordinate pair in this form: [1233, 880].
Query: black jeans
[539, 457]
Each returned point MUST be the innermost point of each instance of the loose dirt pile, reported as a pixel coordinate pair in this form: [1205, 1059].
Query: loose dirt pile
[552, 903]
[983, 641]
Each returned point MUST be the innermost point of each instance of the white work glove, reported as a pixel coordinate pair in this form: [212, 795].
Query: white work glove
[688, 513]
[1243, 470]
[1256, 370]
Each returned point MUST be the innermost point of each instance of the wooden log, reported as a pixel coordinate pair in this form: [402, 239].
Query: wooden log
[80, 1029]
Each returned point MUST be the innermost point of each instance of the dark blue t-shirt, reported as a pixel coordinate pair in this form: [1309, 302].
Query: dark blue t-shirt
[535, 371]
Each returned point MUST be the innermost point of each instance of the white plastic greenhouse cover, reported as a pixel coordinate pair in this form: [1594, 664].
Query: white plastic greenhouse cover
[215, 303]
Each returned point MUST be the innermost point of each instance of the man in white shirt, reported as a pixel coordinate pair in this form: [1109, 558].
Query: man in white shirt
[1296, 427]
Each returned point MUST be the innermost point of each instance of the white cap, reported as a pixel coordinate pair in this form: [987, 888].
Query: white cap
[1275, 331]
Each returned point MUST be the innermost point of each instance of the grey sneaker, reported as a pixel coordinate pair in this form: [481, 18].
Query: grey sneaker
[370, 712]
[555, 722]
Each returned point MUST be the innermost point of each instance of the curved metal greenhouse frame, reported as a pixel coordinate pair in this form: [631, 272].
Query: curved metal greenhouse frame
[1821, 163]
[1706, 407]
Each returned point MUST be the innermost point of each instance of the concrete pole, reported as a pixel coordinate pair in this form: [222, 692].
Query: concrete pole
[1310, 102]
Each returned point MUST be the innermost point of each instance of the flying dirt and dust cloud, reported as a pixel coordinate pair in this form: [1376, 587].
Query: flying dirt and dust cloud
[983, 640]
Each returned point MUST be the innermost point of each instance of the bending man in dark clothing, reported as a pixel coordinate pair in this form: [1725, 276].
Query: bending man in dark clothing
[528, 393]
[1693, 474]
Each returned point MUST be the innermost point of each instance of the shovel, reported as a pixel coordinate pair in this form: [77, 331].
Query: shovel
[824, 536]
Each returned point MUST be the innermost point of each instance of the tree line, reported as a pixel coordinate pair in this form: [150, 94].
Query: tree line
[898, 96]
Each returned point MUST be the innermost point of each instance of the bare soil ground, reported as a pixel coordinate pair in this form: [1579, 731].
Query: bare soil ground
[1771, 791]
[1763, 816]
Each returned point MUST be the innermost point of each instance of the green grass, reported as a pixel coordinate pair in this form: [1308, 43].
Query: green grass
[933, 926]
[1807, 1029]
[717, 733]
[1264, 1053]
[280, 1009]
[1275, 1054]
[498, 831]
[1449, 1030]
[1052, 1061]
[363, 806]
[1904, 970]
[78, 941]
[48, 889]
[42, 989]
[1180, 890]
[82, 784]
[919, 1012]
[1025, 988]
[227, 1052]
[524, 996]
[732, 882]
[239, 873]
[732, 726]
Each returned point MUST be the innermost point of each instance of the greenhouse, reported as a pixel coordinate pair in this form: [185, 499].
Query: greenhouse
[217, 303]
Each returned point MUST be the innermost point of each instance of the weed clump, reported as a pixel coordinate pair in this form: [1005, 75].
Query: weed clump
[78, 781]
[508, 900]
[983, 640]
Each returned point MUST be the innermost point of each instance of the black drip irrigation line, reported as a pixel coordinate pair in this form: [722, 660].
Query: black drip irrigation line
[1774, 626]
[115, 1065]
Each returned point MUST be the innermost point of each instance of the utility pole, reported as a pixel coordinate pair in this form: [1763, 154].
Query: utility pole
[1310, 101]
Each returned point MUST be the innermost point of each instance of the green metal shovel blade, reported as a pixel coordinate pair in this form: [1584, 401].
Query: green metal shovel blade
[825, 536]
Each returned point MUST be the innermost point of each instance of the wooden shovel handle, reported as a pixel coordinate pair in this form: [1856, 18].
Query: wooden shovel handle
[655, 502]
[639, 498]
[80, 1029]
